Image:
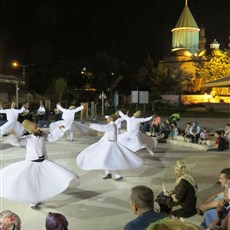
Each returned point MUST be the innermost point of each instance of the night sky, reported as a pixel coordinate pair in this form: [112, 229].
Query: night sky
[49, 31]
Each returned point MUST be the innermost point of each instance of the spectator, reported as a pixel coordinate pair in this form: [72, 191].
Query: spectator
[142, 205]
[220, 142]
[155, 126]
[174, 131]
[9, 221]
[165, 129]
[41, 112]
[26, 114]
[227, 132]
[223, 209]
[225, 223]
[56, 221]
[172, 224]
[203, 136]
[185, 191]
[222, 132]
[194, 132]
[208, 208]
[186, 131]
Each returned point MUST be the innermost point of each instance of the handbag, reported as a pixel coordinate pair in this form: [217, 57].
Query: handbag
[165, 203]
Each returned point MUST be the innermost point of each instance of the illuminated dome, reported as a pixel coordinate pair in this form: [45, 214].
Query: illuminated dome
[180, 52]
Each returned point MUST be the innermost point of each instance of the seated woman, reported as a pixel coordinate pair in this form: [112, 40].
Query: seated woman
[185, 191]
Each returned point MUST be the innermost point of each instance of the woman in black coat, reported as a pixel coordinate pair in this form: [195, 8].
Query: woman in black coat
[185, 191]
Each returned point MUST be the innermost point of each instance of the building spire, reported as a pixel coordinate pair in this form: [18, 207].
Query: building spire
[186, 2]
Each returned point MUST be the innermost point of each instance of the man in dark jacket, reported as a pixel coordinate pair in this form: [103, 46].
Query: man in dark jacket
[142, 204]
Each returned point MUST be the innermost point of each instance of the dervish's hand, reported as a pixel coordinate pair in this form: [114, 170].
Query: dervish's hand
[61, 126]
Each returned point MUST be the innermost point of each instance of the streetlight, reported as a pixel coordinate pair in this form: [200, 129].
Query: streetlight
[15, 64]
[102, 96]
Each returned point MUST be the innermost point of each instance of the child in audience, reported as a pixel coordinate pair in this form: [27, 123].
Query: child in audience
[203, 136]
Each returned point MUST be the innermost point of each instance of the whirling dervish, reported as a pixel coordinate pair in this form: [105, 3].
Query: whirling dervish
[36, 178]
[68, 122]
[12, 120]
[134, 139]
[108, 155]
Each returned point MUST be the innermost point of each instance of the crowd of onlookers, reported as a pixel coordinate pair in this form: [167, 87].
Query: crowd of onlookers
[192, 132]
[11, 221]
[173, 207]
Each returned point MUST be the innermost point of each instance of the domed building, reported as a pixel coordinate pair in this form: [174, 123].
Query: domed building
[188, 53]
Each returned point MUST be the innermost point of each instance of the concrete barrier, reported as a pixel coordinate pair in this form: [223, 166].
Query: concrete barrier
[187, 144]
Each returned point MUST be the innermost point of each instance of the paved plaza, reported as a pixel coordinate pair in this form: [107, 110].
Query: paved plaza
[103, 204]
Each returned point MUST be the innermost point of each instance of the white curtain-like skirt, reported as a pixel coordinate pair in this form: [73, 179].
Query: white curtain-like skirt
[108, 155]
[33, 182]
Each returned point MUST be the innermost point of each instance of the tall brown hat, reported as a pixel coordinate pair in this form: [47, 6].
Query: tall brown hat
[137, 113]
[72, 107]
[13, 105]
[29, 125]
[113, 117]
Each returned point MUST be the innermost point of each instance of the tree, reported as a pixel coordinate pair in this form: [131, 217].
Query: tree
[60, 87]
[218, 67]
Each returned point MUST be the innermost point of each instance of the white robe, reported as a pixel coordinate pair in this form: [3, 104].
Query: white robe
[12, 123]
[108, 154]
[118, 124]
[32, 182]
[68, 122]
[134, 139]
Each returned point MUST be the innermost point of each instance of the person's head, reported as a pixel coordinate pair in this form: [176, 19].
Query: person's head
[13, 105]
[142, 199]
[31, 127]
[227, 126]
[180, 168]
[41, 103]
[188, 125]
[174, 124]
[224, 176]
[222, 132]
[72, 107]
[56, 221]
[195, 123]
[137, 114]
[172, 224]
[9, 221]
[217, 134]
[110, 118]
[204, 130]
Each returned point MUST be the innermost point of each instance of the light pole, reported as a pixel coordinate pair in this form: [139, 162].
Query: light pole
[102, 96]
[15, 64]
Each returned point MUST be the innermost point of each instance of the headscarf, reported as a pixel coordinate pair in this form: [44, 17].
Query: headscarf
[9, 220]
[182, 172]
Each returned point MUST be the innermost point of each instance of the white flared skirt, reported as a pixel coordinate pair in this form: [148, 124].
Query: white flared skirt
[108, 155]
[73, 125]
[137, 141]
[33, 182]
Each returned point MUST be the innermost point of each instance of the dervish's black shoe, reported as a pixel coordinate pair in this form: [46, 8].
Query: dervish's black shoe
[108, 176]
[119, 178]
[35, 206]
